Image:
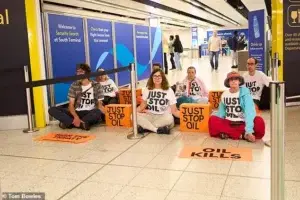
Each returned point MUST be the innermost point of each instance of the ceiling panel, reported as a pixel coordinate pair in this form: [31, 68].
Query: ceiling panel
[223, 7]
[254, 4]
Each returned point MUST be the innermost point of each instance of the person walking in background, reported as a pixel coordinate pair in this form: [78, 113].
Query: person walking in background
[171, 51]
[214, 48]
[234, 48]
[178, 49]
[158, 105]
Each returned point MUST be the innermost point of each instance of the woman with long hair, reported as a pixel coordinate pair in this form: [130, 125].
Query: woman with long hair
[178, 49]
[158, 105]
[110, 90]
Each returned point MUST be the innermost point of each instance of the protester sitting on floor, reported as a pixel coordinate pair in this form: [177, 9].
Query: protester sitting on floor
[109, 88]
[156, 66]
[236, 117]
[85, 103]
[256, 81]
[159, 103]
[191, 89]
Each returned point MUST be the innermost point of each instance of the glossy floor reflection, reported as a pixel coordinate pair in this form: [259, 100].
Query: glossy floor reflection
[111, 167]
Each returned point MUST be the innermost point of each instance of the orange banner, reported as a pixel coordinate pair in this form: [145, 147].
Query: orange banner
[237, 154]
[66, 137]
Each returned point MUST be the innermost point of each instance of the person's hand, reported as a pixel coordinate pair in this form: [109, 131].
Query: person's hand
[76, 122]
[250, 137]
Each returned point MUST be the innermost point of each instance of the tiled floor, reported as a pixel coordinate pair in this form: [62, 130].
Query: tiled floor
[111, 167]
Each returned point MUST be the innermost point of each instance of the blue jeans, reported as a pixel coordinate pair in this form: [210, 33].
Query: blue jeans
[216, 55]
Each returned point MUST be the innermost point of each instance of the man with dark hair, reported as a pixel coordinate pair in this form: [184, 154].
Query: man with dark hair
[85, 103]
[234, 49]
[255, 80]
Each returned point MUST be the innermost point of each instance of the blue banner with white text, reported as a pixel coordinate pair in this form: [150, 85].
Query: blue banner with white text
[125, 50]
[142, 51]
[101, 45]
[67, 50]
[157, 50]
[257, 37]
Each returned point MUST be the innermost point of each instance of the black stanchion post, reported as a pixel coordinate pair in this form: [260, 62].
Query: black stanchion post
[30, 128]
[135, 134]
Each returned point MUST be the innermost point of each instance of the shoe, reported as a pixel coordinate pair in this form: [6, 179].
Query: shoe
[163, 130]
[224, 136]
[84, 126]
[64, 126]
[140, 129]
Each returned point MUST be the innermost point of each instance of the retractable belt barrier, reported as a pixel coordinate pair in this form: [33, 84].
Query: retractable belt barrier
[31, 84]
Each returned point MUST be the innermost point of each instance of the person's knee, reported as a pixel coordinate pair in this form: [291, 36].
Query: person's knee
[52, 110]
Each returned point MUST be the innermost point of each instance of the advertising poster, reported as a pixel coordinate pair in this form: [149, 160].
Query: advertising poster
[67, 50]
[125, 50]
[101, 45]
[14, 55]
[291, 47]
[257, 37]
[194, 37]
[157, 50]
[142, 52]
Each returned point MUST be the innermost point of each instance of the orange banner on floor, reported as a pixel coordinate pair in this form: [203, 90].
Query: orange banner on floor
[237, 154]
[66, 137]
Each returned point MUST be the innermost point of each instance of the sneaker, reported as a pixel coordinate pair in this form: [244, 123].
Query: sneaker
[224, 136]
[163, 130]
[84, 126]
[140, 129]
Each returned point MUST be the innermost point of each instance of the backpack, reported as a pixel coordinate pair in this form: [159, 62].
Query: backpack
[180, 48]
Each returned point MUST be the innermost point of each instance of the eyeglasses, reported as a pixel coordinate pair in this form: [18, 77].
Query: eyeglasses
[250, 64]
[157, 76]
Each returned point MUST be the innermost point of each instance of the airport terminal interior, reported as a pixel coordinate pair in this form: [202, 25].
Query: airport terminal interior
[110, 166]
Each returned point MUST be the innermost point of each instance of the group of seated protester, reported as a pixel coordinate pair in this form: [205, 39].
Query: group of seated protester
[87, 99]
[236, 117]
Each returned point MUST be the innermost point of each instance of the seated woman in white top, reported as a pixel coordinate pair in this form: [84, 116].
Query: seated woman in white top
[158, 105]
[110, 90]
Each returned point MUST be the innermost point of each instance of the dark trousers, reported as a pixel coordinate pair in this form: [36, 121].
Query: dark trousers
[110, 100]
[63, 115]
[256, 102]
[172, 60]
[165, 63]
[215, 55]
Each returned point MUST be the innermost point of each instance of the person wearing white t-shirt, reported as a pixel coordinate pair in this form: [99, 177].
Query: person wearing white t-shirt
[158, 105]
[236, 117]
[85, 103]
[255, 80]
[110, 90]
[214, 48]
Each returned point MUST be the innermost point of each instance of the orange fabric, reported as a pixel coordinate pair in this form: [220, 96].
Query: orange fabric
[66, 137]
